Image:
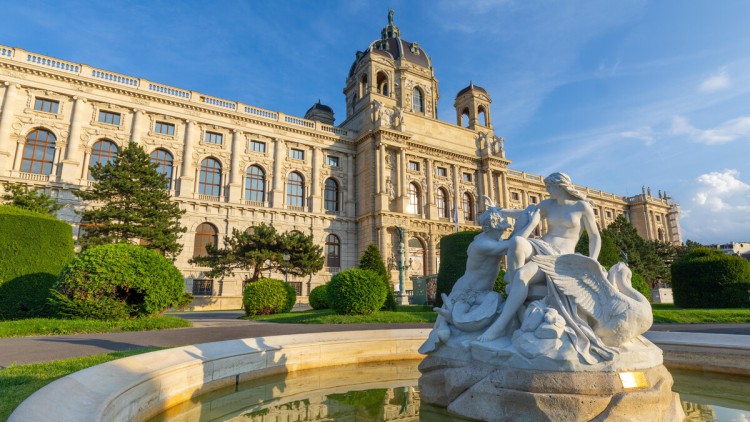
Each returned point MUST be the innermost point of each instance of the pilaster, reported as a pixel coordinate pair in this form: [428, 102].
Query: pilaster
[6, 146]
[70, 166]
[235, 175]
[315, 181]
[277, 193]
[187, 179]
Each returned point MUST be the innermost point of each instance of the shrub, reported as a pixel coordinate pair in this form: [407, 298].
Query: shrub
[499, 285]
[709, 278]
[291, 298]
[266, 296]
[319, 297]
[34, 247]
[356, 292]
[639, 283]
[371, 260]
[118, 281]
[452, 261]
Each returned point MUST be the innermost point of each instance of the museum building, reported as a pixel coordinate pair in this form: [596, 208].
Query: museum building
[231, 165]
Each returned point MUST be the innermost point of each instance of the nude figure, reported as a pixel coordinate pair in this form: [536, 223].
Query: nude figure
[567, 213]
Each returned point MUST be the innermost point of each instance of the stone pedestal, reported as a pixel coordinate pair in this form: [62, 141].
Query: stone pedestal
[486, 392]
[402, 299]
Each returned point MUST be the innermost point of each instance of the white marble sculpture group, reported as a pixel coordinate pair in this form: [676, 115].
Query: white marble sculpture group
[563, 311]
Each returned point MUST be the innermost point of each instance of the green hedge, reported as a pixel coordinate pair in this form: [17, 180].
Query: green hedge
[356, 292]
[319, 297]
[452, 261]
[709, 278]
[118, 281]
[371, 260]
[291, 298]
[639, 283]
[267, 296]
[34, 248]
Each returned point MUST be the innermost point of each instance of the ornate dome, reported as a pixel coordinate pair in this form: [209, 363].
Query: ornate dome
[472, 87]
[392, 46]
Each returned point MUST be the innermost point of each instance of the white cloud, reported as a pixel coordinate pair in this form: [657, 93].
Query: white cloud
[716, 82]
[645, 134]
[719, 208]
[731, 130]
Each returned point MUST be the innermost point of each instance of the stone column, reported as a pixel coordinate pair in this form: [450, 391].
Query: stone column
[235, 175]
[382, 199]
[505, 199]
[430, 206]
[277, 193]
[135, 130]
[457, 198]
[70, 169]
[314, 194]
[403, 187]
[6, 150]
[350, 189]
[187, 179]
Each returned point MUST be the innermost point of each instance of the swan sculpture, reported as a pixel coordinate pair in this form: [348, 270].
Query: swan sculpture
[614, 309]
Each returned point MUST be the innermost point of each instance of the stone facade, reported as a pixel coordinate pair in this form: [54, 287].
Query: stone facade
[232, 165]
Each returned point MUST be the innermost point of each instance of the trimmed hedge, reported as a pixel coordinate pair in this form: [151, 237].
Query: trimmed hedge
[291, 298]
[118, 281]
[319, 297]
[639, 283]
[34, 247]
[709, 278]
[356, 292]
[267, 296]
[452, 261]
[371, 260]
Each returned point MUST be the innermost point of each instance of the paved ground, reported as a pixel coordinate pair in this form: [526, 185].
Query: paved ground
[217, 326]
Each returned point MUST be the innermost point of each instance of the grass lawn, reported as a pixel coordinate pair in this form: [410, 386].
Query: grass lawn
[405, 314]
[671, 314]
[17, 382]
[51, 326]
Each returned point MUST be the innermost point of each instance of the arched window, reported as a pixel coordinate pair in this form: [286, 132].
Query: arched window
[331, 196]
[465, 122]
[255, 184]
[482, 116]
[660, 234]
[295, 190]
[417, 104]
[416, 254]
[363, 86]
[164, 162]
[333, 251]
[415, 200]
[468, 206]
[382, 83]
[38, 152]
[442, 203]
[209, 178]
[102, 152]
[205, 234]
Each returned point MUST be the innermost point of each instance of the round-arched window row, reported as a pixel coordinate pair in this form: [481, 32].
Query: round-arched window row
[209, 178]
[205, 234]
[164, 164]
[333, 251]
[39, 152]
[255, 184]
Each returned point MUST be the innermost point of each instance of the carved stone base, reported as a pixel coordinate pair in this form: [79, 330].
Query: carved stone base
[487, 392]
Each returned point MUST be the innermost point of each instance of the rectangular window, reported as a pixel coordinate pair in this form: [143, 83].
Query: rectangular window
[596, 211]
[413, 166]
[48, 106]
[532, 199]
[332, 161]
[609, 214]
[442, 172]
[164, 128]
[213, 138]
[514, 196]
[297, 154]
[203, 287]
[297, 286]
[109, 118]
[658, 218]
[466, 177]
[258, 146]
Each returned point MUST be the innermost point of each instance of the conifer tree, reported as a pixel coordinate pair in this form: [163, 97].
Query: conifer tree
[371, 260]
[131, 203]
[21, 196]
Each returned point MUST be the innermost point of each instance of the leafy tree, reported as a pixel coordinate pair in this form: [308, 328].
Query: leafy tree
[688, 247]
[609, 255]
[20, 196]
[135, 205]
[371, 260]
[642, 256]
[260, 250]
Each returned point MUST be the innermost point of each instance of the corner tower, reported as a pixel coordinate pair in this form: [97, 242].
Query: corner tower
[473, 107]
[395, 72]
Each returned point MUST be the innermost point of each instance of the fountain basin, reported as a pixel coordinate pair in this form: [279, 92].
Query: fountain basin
[141, 386]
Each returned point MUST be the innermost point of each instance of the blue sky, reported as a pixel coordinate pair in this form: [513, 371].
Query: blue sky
[618, 94]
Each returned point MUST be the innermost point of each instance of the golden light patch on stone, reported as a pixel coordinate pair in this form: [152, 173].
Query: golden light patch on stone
[631, 380]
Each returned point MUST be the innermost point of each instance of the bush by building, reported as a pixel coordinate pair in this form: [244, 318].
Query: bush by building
[34, 247]
[709, 278]
[266, 296]
[319, 297]
[371, 260]
[356, 292]
[453, 258]
[639, 283]
[118, 281]
[291, 298]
